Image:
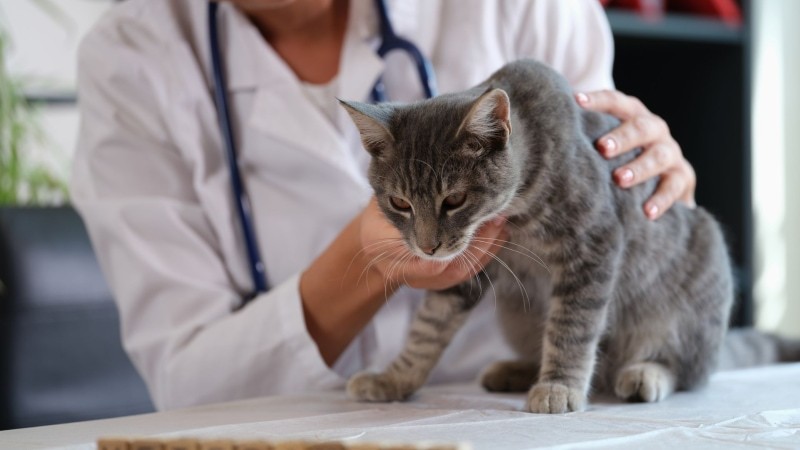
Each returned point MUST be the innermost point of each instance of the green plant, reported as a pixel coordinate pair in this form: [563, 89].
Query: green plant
[22, 181]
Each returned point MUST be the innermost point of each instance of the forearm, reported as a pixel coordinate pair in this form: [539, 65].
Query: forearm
[340, 294]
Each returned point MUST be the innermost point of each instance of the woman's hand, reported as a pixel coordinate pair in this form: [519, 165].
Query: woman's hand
[385, 251]
[661, 155]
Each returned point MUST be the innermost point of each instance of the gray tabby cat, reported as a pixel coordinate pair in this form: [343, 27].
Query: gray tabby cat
[619, 302]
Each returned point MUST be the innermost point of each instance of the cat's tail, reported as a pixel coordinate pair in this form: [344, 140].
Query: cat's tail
[748, 347]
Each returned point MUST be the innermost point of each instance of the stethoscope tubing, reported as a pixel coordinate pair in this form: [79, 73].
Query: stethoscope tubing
[389, 42]
[241, 199]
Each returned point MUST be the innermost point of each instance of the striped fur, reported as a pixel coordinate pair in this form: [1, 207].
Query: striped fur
[590, 292]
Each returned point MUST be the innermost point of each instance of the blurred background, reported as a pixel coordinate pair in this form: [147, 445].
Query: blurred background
[723, 73]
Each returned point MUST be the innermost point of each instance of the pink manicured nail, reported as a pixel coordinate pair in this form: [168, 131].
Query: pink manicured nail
[625, 176]
[609, 145]
[652, 211]
[582, 98]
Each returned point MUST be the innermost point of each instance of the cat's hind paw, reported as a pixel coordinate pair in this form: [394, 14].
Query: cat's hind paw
[510, 376]
[555, 398]
[376, 387]
[644, 382]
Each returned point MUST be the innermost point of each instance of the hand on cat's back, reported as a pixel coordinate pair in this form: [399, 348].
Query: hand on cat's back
[661, 154]
[384, 248]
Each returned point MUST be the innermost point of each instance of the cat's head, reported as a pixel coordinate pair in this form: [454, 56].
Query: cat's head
[441, 167]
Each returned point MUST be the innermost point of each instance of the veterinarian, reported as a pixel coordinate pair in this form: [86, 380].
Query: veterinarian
[153, 184]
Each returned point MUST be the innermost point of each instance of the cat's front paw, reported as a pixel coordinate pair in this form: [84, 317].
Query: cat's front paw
[376, 387]
[555, 398]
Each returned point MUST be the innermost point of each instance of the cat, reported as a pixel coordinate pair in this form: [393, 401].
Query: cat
[589, 291]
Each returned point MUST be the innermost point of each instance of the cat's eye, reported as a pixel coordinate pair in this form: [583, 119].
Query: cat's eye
[453, 201]
[400, 204]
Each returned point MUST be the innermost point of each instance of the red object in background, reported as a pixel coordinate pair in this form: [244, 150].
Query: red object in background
[650, 8]
[725, 10]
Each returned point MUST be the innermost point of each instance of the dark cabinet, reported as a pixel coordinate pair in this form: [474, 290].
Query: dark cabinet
[694, 72]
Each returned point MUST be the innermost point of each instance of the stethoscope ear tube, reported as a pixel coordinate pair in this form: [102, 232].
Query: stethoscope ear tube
[241, 200]
[390, 41]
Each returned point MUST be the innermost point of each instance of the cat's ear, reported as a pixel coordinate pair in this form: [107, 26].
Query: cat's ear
[372, 122]
[489, 117]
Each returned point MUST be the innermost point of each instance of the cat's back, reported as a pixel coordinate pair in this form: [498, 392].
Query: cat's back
[529, 76]
[545, 104]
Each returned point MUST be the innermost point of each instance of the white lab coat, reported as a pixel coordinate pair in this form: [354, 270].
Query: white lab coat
[151, 182]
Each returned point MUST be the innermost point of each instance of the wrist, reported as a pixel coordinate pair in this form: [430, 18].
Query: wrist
[341, 292]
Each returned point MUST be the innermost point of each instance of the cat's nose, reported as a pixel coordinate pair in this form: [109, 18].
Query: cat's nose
[431, 249]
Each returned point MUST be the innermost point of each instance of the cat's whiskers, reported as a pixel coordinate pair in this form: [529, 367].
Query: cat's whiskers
[388, 278]
[469, 267]
[410, 259]
[530, 254]
[526, 297]
[380, 257]
[390, 274]
[404, 275]
[477, 269]
[369, 265]
[514, 225]
[491, 284]
[378, 242]
[384, 241]
[407, 259]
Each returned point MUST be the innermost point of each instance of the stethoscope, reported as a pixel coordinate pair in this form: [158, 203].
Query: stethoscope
[389, 42]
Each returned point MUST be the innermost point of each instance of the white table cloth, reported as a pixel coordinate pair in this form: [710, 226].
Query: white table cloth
[752, 408]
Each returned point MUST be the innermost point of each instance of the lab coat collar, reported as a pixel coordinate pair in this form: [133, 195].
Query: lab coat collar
[258, 66]
[279, 103]
[244, 49]
[244, 52]
[359, 67]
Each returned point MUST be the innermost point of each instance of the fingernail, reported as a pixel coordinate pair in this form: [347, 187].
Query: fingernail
[582, 98]
[609, 146]
[625, 176]
[652, 211]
